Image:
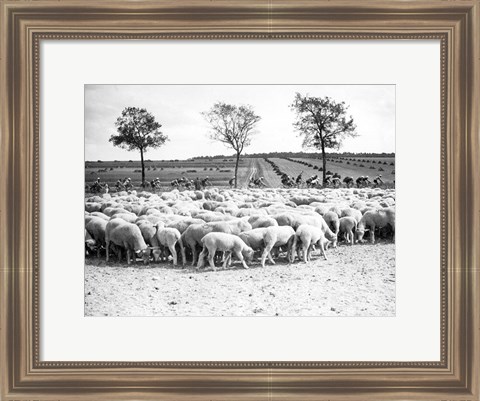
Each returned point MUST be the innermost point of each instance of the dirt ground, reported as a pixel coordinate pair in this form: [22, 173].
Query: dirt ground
[355, 281]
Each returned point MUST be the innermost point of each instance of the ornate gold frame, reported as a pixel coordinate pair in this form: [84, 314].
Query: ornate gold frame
[25, 23]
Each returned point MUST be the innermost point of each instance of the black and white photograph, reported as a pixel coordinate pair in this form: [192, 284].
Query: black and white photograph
[240, 200]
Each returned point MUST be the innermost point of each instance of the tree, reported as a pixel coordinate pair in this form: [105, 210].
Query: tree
[232, 125]
[323, 123]
[138, 130]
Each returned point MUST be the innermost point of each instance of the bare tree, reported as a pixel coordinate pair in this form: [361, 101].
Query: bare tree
[323, 123]
[138, 130]
[233, 126]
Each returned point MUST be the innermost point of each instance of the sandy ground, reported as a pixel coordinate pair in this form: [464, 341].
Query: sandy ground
[355, 281]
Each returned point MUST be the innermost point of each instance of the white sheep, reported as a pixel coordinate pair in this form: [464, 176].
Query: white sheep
[126, 235]
[226, 243]
[169, 237]
[309, 236]
[347, 226]
[96, 227]
[375, 219]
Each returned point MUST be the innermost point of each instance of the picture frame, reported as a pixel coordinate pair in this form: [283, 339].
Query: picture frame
[25, 24]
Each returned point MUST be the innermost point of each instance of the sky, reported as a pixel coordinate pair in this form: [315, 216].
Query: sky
[178, 108]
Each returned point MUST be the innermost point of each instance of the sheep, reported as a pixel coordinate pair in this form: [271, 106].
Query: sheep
[137, 209]
[244, 212]
[277, 236]
[356, 214]
[331, 218]
[96, 227]
[375, 219]
[90, 243]
[93, 206]
[149, 233]
[212, 216]
[182, 225]
[150, 218]
[262, 221]
[232, 227]
[168, 238]
[154, 212]
[336, 210]
[309, 236]
[126, 235]
[193, 235]
[101, 215]
[295, 220]
[227, 243]
[347, 227]
[267, 238]
[128, 217]
[210, 205]
[110, 211]
[321, 209]
[254, 238]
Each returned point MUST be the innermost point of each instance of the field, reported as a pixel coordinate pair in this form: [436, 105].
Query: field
[355, 167]
[348, 284]
[221, 169]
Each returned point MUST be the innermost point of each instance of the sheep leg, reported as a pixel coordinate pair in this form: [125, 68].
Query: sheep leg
[119, 253]
[128, 256]
[174, 253]
[292, 252]
[194, 253]
[239, 255]
[156, 255]
[223, 259]
[98, 250]
[211, 256]
[300, 251]
[164, 254]
[182, 251]
[201, 257]
[226, 258]
[309, 252]
[372, 234]
[266, 252]
[322, 248]
[270, 258]
[305, 250]
[107, 245]
[350, 237]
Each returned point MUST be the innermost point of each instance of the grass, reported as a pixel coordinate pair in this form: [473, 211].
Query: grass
[221, 170]
[351, 170]
[218, 171]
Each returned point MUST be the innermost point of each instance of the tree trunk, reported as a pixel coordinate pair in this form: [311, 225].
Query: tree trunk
[324, 163]
[143, 166]
[236, 168]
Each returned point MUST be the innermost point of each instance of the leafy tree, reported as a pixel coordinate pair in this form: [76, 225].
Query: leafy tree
[138, 130]
[323, 123]
[232, 125]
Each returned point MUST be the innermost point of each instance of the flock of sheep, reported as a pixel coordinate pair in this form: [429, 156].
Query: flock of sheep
[216, 224]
